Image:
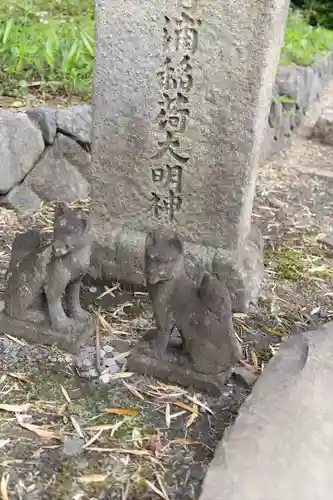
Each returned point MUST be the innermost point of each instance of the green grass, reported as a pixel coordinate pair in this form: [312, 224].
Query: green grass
[47, 46]
[303, 44]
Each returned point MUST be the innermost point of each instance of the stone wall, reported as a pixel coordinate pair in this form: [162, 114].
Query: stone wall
[44, 150]
[296, 89]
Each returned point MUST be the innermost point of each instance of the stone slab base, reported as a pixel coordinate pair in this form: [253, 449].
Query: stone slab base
[118, 254]
[176, 369]
[42, 334]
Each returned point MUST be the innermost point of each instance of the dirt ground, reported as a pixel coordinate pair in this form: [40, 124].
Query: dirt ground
[63, 436]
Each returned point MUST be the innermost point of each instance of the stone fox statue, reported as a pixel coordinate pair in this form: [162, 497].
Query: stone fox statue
[201, 313]
[41, 275]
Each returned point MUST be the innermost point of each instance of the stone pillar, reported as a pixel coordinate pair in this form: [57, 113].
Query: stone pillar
[182, 90]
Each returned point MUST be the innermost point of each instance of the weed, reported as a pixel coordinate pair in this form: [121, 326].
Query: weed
[46, 47]
[303, 43]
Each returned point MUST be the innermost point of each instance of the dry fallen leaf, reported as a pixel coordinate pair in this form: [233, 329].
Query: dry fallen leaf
[93, 439]
[254, 358]
[117, 426]
[199, 403]
[121, 375]
[76, 426]
[192, 418]
[65, 393]
[167, 415]
[185, 442]
[15, 408]
[186, 407]
[3, 486]
[14, 339]
[92, 478]
[43, 433]
[133, 390]
[21, 376]
[163, 489]
[177, 415]
[108, 291]
[139, 453]
[155, 489]
[122, 411]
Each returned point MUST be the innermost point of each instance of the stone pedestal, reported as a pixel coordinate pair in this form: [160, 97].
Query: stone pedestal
[174, 369]
[182, 92]
[44, 334]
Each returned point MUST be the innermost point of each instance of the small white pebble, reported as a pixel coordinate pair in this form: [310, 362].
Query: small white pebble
[108, 348]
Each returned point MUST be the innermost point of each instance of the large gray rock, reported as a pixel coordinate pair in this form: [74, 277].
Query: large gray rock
[76, 121]
[323, 129]
[45, 119]
[281, 445]
[181, 101]
[22, 199]
[57, 175]
[21, 144]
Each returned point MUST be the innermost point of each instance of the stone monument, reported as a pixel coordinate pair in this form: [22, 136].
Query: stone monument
[182, 92]
[42, 294]
[202, 315]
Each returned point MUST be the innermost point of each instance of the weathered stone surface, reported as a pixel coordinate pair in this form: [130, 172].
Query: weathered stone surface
[73, 447]
[327, 239]
[244, 376]
[22, 198]
[43, 334]
[280, 446]
[76, 121]
[202, 314]
[323, 129]
[210, 134]
[120, 253]
[142, 360]
[45, 119]
[42, 293]
[57, 175]
[21, 144]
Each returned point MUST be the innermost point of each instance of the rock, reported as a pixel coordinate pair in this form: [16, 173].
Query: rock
[121, 345]
[111, 364]
[327, 240]
[286, 82]
[108, 348]
[76, 122]
[87, 363]
[323, 129]
[275, 113]
[22, 198]
[55, 176]
[92, 372]
[221, 122]
[73, 447]
[45, 119]
[245, 376]
[21, 144]
[281, 445]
